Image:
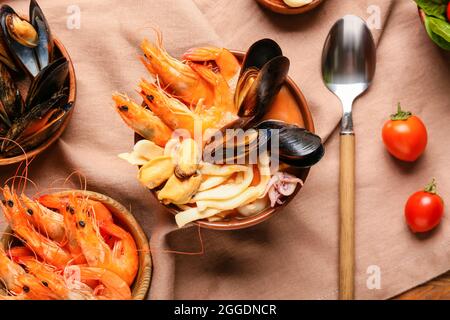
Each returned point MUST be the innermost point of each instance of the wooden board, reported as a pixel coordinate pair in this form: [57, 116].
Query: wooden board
[436, 289]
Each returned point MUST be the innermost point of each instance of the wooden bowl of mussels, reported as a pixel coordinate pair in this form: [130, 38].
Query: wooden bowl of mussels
[37, 85]
[223, 181]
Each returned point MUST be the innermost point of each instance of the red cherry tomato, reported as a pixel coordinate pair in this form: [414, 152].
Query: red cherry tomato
[448, 11]
[424, 209]
[405, 136]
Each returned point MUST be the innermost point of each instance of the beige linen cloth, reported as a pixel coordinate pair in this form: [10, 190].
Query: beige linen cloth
[294, 254]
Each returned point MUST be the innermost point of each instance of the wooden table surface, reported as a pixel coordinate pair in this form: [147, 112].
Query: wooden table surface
[436, 289]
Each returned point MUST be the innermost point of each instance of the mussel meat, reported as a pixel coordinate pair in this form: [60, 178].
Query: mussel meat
[30, 43]
[297, 146]
[21, 31]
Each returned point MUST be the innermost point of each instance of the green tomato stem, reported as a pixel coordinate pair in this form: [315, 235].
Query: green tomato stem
[431, 187]
[401, 114]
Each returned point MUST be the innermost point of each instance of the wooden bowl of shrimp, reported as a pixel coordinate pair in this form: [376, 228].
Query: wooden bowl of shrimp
[295, 110]
[122, 218]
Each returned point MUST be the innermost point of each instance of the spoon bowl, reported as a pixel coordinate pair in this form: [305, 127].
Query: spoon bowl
[349, 59]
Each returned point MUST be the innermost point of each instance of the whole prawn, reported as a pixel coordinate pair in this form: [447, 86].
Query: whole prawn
[142, 120]
[178, 116]
[179, 78]
[122, 259]
[15, 213]
[227, 63]
[45, 220]
[19, 284]
[56, 282]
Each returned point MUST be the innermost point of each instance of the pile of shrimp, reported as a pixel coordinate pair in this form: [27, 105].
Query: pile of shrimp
[70, 249]
[195, 94]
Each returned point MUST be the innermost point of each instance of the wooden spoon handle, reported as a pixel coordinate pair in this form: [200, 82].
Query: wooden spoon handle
[347, 217]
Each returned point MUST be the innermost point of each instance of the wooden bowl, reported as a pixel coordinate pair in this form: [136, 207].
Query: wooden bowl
[235, 223]
[60, 51]
[279, 6]
[126, 220]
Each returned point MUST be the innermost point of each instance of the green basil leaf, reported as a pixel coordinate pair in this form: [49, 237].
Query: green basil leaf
[435, 8]
[438, 31]
[441, 28]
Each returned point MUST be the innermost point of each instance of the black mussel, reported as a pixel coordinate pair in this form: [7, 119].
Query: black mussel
[296, 146]
[260, 53]
[44, 49]
[219, 139]
[38, 138]
[21, 31]
[5, 57]
[11, 103]
[256, 95]
[236, 146]
[29, 43]
[38, 124]
[23, 55]
[49, 81]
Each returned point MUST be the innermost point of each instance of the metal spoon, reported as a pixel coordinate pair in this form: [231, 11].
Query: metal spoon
[348, 67]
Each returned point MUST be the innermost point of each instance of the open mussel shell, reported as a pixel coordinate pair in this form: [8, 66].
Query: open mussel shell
[49, 81]
[259, 96]
[236, 146]
[44, 48]
[260, 53]
[295, 146]
[21, 31]
[35, 119]
[35, 139]
[30, 44]
[23, 55]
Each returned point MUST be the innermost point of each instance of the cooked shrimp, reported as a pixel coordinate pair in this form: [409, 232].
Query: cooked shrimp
[70, 224]
[48, 222]
[226, 62]
[17, 252]
[177, 77]
[176, 115]
[57, 202]
[171, 110]
[112, 287]
[124, 253]
[47, 249]
[9, 271]
[122, 259]
[32, 289]
[223, 97]
[142, 120]
[55, 281]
